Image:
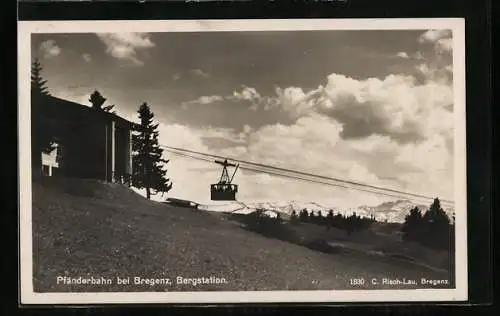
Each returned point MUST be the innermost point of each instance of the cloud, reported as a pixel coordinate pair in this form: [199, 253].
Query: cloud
[247, 94]
[402, 55]
[205, 100]
[395, 131]
[444, 45]
[50, 49]
[295, 101]
[126, 45]
[176, 76]
[87, 57]
[276, 145]
[313, 144]
[435, 73]
[441, 39]
[399, 107]
[432, 36]
[200, 73]
[395, 106]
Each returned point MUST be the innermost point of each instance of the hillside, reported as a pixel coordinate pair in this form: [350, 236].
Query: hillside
[93, 229]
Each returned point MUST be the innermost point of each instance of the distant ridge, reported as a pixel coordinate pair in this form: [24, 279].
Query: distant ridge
[393, 211]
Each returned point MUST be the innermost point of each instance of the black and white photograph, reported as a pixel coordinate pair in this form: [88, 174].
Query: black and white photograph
[233, 161]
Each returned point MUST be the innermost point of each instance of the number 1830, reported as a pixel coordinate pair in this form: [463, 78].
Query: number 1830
[357, 281]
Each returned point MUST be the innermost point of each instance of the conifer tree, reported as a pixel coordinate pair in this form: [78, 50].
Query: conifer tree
[294, 218]
[149, 172]
[436, 226]
[312, 217]
[437, 215]
[97, 101]
[413, 225]
[304, 216]
[38, 84]
[42, 134]
[329, 219]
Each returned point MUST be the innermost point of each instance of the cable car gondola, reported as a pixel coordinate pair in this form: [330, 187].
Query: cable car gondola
[224, 190]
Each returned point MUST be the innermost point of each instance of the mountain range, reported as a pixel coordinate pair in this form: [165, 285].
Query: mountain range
[392, 211]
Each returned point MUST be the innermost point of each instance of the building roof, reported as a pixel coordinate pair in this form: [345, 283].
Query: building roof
[58, 104]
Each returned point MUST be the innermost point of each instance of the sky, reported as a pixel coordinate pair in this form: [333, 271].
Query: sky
[369, 106]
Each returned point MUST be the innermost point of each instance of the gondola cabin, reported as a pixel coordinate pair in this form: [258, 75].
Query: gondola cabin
[224, 190]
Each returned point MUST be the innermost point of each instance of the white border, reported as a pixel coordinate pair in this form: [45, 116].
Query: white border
[26, 28]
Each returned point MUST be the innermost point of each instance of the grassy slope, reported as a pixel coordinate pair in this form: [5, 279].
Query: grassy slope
[87, 228]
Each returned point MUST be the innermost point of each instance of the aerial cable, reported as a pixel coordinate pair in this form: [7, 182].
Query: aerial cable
[309, 174]
[420, 199]
[318, 181]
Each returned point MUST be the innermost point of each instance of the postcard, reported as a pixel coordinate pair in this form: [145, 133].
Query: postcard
[242, 161]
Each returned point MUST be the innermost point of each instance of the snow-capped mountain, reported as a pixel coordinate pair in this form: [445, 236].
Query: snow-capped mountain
[393, 211]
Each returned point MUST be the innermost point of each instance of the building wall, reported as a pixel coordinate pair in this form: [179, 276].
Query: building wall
[84, 151]
[92, 152]
[91, 144]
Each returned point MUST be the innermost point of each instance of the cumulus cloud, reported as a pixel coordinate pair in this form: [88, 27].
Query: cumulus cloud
[444, 45]
[396, 106]
[283, 146]
[126, 45]
[441, 39]
[247, 94]
[313, 144]
[205, 100]
[435, 72]
[295, 101]
[433, 36]
[402, 55]
[50, 49]
[87, 57]
[395, 132]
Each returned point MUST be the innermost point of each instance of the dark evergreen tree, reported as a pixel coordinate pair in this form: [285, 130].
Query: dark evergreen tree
[412, 225]
[97, 100]
[312, 217]
[149, 172]
[437, 215]
[329, 219]
[38, 84]
[433, 229]
[278, 218]
[42, 131]
[320, 218]
[338, 221]
[304, 216]
[294, 219]
[437, 226]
